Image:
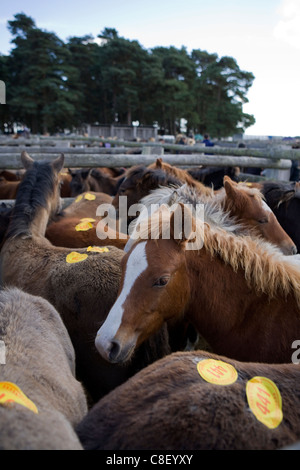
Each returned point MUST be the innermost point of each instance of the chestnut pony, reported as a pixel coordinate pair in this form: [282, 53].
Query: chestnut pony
[240, 293]
[237, 202]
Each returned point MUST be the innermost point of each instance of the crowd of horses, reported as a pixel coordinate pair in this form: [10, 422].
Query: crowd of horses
[107, 331]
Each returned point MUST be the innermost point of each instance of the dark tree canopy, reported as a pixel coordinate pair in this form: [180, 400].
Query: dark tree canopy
[53, 85]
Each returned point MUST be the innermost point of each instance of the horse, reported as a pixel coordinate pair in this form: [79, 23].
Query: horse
[243, 204]
[182, 175]
[8, 189]
[93, 180]
[284, 200]
[214, 176]
[81, 284]
[138, 182]
[39, 362]
[65, 190]
[180, 404]
[85, 205]
[79, 233]
[240, 293]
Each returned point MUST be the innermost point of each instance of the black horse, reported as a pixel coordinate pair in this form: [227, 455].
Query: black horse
[284, 200]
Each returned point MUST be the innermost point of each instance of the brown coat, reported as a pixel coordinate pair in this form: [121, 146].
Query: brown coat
[40, 360]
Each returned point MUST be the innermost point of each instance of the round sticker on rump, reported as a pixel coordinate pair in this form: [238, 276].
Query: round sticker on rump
[217, 372]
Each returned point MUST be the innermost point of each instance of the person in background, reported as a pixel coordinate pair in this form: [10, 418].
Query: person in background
[207, 141]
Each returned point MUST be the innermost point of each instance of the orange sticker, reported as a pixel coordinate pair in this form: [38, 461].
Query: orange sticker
[265, 402]
[75, 257]
[78, 198]
[83, 226]
[98, 249]
[87, 219]
[90, 197]
[217, 372]
[10, 393]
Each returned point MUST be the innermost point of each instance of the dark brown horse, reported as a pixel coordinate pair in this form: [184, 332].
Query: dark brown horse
[284, 200]
[183, 175]
[240, 293]
[38, 358]
[93, 180]
[169, 406]
[82, 285]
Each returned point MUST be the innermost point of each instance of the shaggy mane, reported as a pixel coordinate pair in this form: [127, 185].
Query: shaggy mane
[32, 194]
[266, 269]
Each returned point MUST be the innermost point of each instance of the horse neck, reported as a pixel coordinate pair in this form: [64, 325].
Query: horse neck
[39, 224]
[26, 227]
[209, 278]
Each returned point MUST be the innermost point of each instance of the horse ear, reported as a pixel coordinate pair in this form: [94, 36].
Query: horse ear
[85, 173]
[159, 163]
[182, 224]
[229, 186]
[58, 163]
[26, 160]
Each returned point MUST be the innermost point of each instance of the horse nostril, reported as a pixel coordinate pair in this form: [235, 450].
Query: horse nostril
[294, 250]
[114, 350]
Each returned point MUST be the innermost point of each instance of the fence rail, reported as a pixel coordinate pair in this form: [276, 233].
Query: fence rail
[85, 152]
[13, 161]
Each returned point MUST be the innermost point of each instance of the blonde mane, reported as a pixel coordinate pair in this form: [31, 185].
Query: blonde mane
[266, 269]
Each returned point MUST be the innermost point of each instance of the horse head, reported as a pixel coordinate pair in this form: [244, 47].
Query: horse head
[154, 285]
[247, 204]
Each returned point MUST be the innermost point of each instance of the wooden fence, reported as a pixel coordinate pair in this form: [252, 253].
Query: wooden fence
[81, 152]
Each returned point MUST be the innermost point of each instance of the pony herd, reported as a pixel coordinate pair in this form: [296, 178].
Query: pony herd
[107, 332]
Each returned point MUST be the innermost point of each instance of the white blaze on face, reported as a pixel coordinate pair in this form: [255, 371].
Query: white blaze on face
[136, 264]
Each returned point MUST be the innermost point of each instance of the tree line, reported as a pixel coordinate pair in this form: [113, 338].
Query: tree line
[52, 85]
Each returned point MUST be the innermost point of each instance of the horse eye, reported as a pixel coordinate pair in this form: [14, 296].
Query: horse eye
[162, 281]
[263, 221]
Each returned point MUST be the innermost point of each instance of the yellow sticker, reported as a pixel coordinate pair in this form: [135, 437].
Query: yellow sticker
[217, 372]
[98, 249]
[87, 219]
[264, 400]
[83, 226]
[10, 393]
[90, 197]
[78, 198]
[75, 257]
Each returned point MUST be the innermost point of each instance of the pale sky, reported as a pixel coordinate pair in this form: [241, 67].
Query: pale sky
[262, 35]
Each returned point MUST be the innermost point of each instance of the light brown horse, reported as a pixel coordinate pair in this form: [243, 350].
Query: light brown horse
[82, 286]
[243, 207]
[38, 358]
[80, 233]
[85, 205]
[169, 406]
[240, 293]
[8, 189]
[182, 175]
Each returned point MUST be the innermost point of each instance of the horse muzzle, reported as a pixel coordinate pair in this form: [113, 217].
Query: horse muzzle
[115, 351]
